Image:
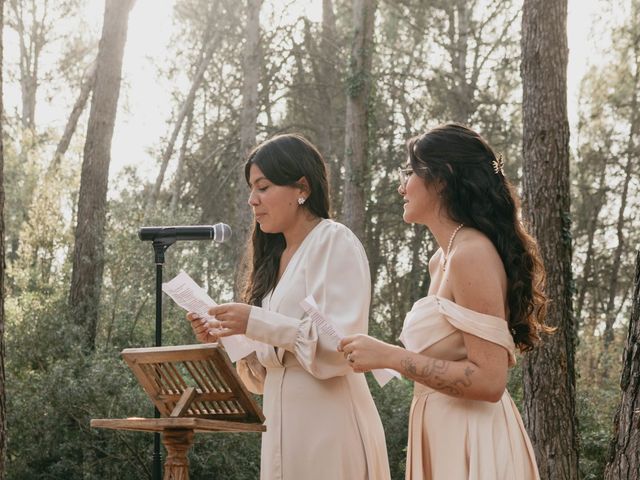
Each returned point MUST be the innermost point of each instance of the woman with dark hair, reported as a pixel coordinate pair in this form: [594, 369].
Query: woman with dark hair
[321, 419]
[485, 299]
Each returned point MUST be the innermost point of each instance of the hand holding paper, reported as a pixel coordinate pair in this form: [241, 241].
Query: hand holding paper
[232, 318]
[382, 375]
[187, 294]
[205, 330]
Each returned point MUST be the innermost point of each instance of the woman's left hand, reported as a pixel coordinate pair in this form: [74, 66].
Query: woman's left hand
[233, 318]
[366, 353]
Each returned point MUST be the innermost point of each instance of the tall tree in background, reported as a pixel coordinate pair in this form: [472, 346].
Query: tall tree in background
[88, 261]
[86, 87]
[251, 77]
[548, 372]
[3, 401]
[31, 22]
[460, 29]
[34, 22]
[185, 108]
[248, 120]
[357, 116]
[630, 85]
[624, 456]
[606, 197]
[324, 59]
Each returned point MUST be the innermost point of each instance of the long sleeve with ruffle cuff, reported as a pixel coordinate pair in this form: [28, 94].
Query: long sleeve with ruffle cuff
[272, 328]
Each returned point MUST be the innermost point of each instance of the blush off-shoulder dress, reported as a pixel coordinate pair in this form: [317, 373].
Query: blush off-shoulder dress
[457, 439]
[321, 420]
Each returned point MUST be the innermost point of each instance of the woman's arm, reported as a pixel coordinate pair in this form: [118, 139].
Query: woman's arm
[337, 276]
[477, 280]
[478, 377]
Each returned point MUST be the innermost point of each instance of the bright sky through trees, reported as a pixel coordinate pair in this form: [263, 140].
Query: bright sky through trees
[146, 103]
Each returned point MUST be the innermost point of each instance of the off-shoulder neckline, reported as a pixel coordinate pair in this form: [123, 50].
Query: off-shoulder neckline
[438, 298]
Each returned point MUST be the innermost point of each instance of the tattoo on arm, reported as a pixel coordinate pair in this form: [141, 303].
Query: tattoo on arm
[433, 373]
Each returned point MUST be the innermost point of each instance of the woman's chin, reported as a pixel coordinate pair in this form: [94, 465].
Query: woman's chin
[264, 228]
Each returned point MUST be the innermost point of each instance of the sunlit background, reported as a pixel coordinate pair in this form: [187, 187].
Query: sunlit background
[145, 105]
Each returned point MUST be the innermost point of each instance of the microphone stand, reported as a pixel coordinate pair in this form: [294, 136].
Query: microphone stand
[160, 245]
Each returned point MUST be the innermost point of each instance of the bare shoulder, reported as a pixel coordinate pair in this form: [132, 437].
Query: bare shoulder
[476, 274]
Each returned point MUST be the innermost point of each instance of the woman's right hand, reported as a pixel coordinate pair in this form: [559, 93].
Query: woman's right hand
[365, 353]
[203, 329]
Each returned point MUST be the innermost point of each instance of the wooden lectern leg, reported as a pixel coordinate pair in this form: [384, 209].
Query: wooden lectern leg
[177, 442]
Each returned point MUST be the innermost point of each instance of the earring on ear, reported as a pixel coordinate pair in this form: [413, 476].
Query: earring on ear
[301, 200]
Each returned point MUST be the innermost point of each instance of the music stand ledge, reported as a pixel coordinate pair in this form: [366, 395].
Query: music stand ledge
[196, 389]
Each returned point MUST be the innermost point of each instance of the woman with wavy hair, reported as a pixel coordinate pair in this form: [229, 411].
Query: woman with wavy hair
[485, 300]
[320, 416]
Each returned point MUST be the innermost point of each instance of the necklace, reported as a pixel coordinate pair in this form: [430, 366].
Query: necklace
[446, 255]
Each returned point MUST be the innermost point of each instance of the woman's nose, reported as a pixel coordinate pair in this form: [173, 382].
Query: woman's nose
[252, 199]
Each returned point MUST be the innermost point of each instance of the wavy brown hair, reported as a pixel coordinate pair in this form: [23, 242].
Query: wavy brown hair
[284, 160]
[477, 195]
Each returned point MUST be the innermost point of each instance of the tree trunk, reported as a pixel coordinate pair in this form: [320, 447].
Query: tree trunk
[632, 159]
[187, 105]
[88, 258]
[598, 199]
[549, 372]
[610, 311]
[323, 63]
[624, 454]
[3, 398]
[32, 27]
[177, 184]
[459, 31]
[78, 107]
[328, 55]
[357, 116]
[248, 125]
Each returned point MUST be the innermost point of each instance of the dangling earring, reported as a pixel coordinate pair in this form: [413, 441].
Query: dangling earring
[301, 200]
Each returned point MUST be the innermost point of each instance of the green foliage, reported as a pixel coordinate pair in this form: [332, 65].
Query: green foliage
[235, 455]
[514, 383]
[596, 408]
[393, 402]
[50, 414]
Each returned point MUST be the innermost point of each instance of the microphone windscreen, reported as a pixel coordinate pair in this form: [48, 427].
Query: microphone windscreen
[222, 232]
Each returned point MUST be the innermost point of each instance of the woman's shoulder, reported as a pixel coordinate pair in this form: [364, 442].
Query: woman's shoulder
[472, 251]
[332, 236]
[473, 246]
[476, 273]
[330, 229]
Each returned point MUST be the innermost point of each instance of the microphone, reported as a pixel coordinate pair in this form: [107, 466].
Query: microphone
[220, 232]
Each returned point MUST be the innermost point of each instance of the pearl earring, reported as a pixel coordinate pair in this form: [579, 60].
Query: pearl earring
[301, 200]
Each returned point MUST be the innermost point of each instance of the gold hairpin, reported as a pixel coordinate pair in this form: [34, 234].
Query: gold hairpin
[498, 165]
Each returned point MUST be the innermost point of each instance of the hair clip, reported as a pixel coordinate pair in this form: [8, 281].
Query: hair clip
[498, 165]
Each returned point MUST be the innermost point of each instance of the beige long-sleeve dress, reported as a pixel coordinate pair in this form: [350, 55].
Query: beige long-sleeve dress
[452, 438]
[321, 420]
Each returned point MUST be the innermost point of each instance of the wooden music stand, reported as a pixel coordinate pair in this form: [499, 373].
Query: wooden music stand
[196, 389]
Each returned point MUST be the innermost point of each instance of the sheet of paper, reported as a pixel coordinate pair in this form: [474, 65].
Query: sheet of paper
[309, 305]
[190, 296]
[383, 375]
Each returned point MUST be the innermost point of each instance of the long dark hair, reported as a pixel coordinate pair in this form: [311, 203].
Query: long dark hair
[283, 160]
[476, 193]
